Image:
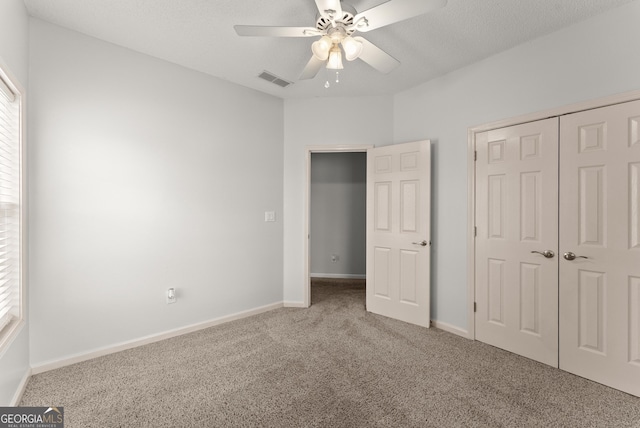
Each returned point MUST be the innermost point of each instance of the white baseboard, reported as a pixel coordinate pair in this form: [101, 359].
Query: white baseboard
[295, 305]
[450, 328]
[17, 397]
[338, 275]
[55, 364]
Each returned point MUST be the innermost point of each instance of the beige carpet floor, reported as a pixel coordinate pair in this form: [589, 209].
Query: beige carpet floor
[333, 365]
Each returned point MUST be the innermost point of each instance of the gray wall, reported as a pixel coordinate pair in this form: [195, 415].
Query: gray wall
[592, 59]
[338, 214]
[145, 175]
[14, 31]
[157, 156]
[370, 122]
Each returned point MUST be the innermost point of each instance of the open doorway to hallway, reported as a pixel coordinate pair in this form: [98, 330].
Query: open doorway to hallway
[337, 221]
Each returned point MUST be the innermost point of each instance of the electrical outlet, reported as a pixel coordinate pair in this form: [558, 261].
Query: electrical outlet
[171, 296]
[335, 258]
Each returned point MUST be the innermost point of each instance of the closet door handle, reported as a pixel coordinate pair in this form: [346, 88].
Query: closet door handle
[547, 253]
[571, 256]
[422, 243]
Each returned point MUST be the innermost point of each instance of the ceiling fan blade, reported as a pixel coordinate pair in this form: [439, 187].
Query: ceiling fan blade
[325, 5]
[376, 57]
[311, 69]
[257, 30]
[395, 11]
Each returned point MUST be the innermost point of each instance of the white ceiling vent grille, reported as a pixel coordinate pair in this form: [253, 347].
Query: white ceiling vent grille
[274, 79]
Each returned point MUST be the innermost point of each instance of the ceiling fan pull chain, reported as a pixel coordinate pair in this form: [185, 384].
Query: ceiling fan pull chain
[326, 73]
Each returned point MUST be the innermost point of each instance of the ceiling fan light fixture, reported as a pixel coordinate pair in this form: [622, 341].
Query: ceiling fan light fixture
[352, 48]
[335, 58]
[321, 48]
[337, 22]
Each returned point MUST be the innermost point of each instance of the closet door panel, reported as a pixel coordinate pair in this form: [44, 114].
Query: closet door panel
[516, 218]
[599, 232]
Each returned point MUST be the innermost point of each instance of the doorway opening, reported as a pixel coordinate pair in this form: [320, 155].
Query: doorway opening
[335, 214]
[337, 219]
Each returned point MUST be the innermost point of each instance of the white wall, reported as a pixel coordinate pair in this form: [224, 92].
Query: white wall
[338, 214]
[321, 122]
[145, 175]
[14, 48]
[592, 59]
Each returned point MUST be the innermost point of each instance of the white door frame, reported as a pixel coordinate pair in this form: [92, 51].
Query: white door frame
[471, 177]
[355, 148]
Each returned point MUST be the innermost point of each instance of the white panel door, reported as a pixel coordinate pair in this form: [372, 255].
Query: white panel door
[398, 231]
[517, 239]
[600, 226]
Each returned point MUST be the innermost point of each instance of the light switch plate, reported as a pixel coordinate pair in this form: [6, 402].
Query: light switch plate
[171, 296]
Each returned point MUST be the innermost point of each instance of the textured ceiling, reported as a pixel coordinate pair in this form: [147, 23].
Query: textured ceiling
[199, 34]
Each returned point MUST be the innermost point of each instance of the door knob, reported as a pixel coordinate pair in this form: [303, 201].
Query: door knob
[547, 253]
[422, 243]
[571, 256]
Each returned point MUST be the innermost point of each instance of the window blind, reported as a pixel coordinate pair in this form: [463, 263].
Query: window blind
[9, 206]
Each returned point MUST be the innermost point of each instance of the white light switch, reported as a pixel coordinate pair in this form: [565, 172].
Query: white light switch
[269, 216]
[171, 296]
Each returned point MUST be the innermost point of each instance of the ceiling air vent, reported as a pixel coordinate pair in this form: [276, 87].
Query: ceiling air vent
[274, 79]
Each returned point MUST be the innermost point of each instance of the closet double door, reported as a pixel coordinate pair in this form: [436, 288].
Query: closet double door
[558, 242]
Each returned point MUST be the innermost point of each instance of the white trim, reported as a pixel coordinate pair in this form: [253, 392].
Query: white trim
[17, 397]
[12, 330]
[559, 111]
[451, 329]
[349, 148]
[10, 80]
[6, 91]
[338, 275]
[471, 176]
[471, 239]
[56, 364]
[295, 305]
[356, 148]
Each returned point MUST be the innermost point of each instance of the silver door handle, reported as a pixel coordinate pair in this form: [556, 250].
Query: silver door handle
[422, 243]
[571, 256]
[547, 253]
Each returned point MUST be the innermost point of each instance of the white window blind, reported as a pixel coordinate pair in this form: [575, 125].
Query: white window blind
[9, 206]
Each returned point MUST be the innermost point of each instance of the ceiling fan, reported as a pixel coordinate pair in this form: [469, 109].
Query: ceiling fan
[336, 25]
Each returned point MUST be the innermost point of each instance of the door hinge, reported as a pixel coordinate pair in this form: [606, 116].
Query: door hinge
[475, 230]
[475, 155]
[475, 306]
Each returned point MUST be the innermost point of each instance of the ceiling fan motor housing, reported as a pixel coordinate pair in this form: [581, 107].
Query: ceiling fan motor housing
[345, 21]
